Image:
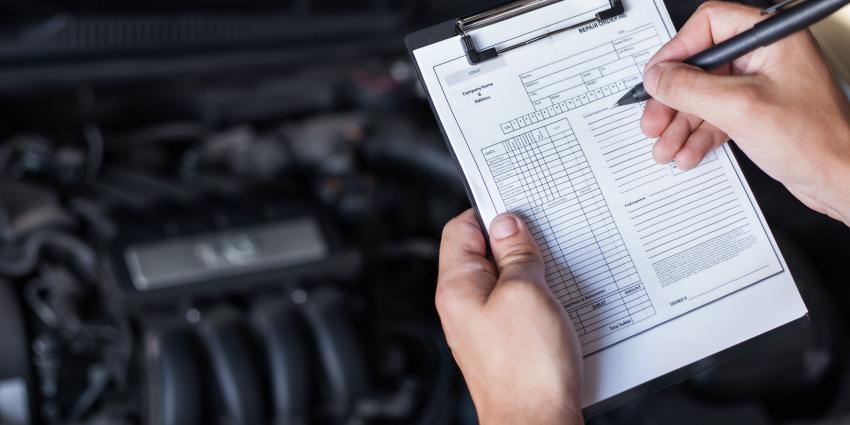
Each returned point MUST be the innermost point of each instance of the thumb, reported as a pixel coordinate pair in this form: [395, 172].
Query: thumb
[718, 99]
[515, 251]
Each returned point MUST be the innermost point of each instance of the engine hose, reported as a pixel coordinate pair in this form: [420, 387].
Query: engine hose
[29, 254]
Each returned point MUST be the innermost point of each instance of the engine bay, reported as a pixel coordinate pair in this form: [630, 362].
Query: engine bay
[243, 228]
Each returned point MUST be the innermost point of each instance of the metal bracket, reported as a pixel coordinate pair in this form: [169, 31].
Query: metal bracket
[510, 10]
[779, 6]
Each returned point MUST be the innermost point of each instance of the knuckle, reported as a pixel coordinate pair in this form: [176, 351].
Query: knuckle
[716, 10]
[521, 256]
[450, 275]
[716, 6]
[447, 229]
[711, 10]
[689, 159]
[446, 303]
[647, 126]
[709, 6]
[460, 229]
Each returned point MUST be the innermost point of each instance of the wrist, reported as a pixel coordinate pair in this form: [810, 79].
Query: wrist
[839, 179]
[504, 414]
[531, 418]
[842, 182]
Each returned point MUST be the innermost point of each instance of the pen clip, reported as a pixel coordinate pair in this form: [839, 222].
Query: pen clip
[779, 6]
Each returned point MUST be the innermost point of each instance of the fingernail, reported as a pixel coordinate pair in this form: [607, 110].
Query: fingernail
[651, 78]
[504, 226]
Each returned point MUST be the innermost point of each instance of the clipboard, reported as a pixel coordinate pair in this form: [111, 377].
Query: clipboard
[464, 28]
[465, 25]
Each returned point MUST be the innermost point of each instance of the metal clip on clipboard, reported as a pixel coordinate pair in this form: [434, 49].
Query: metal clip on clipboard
[510, 10]
[778, 7]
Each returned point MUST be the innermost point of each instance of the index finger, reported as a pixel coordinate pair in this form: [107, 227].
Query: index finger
[712, 23]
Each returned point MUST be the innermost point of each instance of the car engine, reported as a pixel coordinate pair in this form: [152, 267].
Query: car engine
[230, 212]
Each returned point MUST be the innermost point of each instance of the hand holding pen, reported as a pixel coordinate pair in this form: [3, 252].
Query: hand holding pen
[780, 104]
[782, 24]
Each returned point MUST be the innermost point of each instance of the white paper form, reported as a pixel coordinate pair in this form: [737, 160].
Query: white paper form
[629, 244]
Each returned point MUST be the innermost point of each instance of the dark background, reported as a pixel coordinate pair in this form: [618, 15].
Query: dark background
[133, 122]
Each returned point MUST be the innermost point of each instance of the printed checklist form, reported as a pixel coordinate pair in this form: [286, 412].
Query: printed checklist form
[657, 267]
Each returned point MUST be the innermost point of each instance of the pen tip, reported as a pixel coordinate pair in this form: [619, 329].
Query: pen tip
[625, 100]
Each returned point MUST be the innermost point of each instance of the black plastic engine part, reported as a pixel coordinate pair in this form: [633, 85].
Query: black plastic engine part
[340, 353]
[228, 249]
[173, 377]
[238, 388]
[286, 346]
[15, 407]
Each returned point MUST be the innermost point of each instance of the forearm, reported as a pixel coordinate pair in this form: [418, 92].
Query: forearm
[840, 182]
[833, 190]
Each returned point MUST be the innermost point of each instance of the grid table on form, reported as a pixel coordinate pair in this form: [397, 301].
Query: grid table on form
[544, 176]
[596, 73]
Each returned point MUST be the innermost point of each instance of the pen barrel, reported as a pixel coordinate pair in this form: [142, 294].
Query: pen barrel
[726, 52]
[766, 32]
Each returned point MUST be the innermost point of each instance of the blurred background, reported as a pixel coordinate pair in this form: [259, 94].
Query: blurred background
[228, 212]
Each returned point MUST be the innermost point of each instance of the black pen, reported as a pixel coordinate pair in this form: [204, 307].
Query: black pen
[773, 29]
